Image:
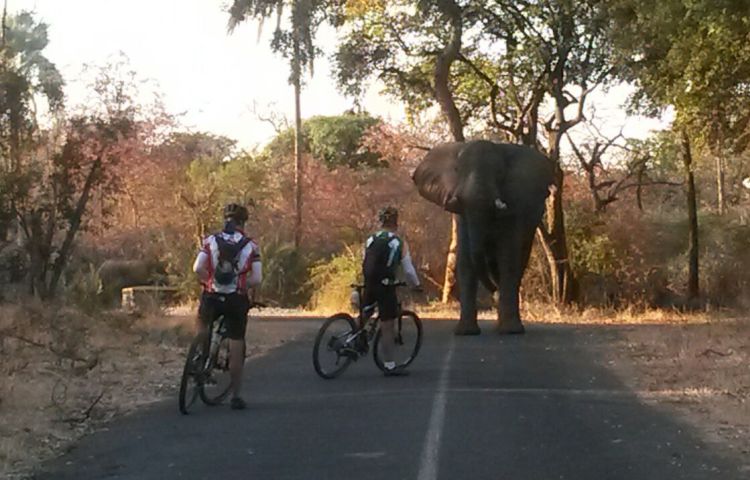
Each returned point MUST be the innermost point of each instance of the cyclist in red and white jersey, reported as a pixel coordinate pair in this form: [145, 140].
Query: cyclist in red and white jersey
[228, 267]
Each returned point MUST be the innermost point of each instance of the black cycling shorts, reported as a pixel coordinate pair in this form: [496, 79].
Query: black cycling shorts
[385, 297]
[233, 306]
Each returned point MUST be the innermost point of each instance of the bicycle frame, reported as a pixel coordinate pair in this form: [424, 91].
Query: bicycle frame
[368, 322]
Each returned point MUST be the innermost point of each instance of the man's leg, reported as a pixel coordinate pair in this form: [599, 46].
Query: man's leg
[236, 365]
[206, 314]
[387, 341]
[236, 326]
[389, 310]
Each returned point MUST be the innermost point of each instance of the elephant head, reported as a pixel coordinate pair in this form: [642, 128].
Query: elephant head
[482, 176]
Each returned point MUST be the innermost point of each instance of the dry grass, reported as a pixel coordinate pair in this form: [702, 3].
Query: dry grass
[67, 373]
[712, 358]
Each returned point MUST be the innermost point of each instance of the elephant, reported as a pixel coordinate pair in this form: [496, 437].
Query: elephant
[499, 193]
[114, 275]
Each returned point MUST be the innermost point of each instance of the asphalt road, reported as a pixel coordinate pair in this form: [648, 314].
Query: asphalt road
[540, 406]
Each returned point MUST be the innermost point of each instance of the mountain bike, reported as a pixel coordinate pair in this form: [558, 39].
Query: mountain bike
[206, 372]
[343, 339]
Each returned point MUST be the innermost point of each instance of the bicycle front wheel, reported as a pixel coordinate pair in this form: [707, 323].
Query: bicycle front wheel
[217, 379]
[332, 352]
[190, 385]
[407, 332]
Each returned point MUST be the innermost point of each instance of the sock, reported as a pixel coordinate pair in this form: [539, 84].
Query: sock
[389, 365]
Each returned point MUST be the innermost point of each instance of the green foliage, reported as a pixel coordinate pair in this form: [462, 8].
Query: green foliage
[330, 280]
[284, 274]
[335, 140]
[509, 51]
[691, 55]
[591, 248]
[293, 38]
[26, 78]
[211, 183]
[725, 254]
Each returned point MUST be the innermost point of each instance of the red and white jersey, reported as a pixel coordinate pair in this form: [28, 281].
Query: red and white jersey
[248, 262]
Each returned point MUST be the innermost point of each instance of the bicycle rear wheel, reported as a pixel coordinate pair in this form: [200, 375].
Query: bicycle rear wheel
[329, 352]
[217, 379]
[408, 340]
[190, 384]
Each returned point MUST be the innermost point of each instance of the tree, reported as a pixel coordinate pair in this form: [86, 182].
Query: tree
[75, 162]
[630, 168]
[209, 183]
[26, 76]
[406, 45]
[692, 56]
[503, 63]
[700, 65]
[294, 42]
[335, 140]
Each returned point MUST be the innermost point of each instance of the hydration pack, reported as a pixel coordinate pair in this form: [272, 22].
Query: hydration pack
[381, 260]
[227, 268]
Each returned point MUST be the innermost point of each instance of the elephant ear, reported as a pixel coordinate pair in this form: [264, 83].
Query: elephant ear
[436, 176]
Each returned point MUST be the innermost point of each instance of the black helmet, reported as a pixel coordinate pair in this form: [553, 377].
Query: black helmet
[236, 212]
[388, 216]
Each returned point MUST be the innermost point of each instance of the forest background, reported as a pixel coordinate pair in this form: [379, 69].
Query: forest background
[660, 221]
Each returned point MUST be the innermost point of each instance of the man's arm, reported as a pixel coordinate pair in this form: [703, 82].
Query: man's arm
[200, 266]
[409, 271]
[256, 274]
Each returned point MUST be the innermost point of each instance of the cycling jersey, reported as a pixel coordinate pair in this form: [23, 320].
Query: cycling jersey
[248, 264]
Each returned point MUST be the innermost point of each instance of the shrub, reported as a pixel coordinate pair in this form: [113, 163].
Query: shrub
[83, 289]
[591, 249]
[330, 280]
[285, 270]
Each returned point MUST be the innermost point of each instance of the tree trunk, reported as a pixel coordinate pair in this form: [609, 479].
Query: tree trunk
[552, 233]
[720, 183]
[74, 225]
[639, 188]
[554, 242]
[693, 290]
[450, 266]
[296, 80]
[297, 166]
[444, 97]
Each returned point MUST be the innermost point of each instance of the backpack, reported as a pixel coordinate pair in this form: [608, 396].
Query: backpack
[375, 267]
[227, 267]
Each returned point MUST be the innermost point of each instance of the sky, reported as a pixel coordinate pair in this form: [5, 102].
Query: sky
[213, 79]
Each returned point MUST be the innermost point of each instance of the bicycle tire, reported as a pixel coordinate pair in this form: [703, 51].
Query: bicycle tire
[407, 318]
[209, 395]
[322, 333]
[190, 385]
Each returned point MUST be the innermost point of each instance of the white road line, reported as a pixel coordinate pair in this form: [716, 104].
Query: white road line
[428, 467]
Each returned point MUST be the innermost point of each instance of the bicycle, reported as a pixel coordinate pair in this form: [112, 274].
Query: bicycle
[345, 339]
[206, 372]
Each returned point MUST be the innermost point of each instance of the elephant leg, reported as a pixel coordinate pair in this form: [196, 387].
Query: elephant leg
[514, 255]
[467, 283]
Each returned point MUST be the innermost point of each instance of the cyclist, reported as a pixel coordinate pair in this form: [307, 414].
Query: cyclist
[227, 266]
[385, 252]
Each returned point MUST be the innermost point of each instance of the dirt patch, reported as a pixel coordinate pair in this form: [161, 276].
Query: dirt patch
[706, 365]
[68, 373]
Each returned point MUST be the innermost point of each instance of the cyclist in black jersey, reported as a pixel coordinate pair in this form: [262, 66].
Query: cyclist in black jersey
[387, 255]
